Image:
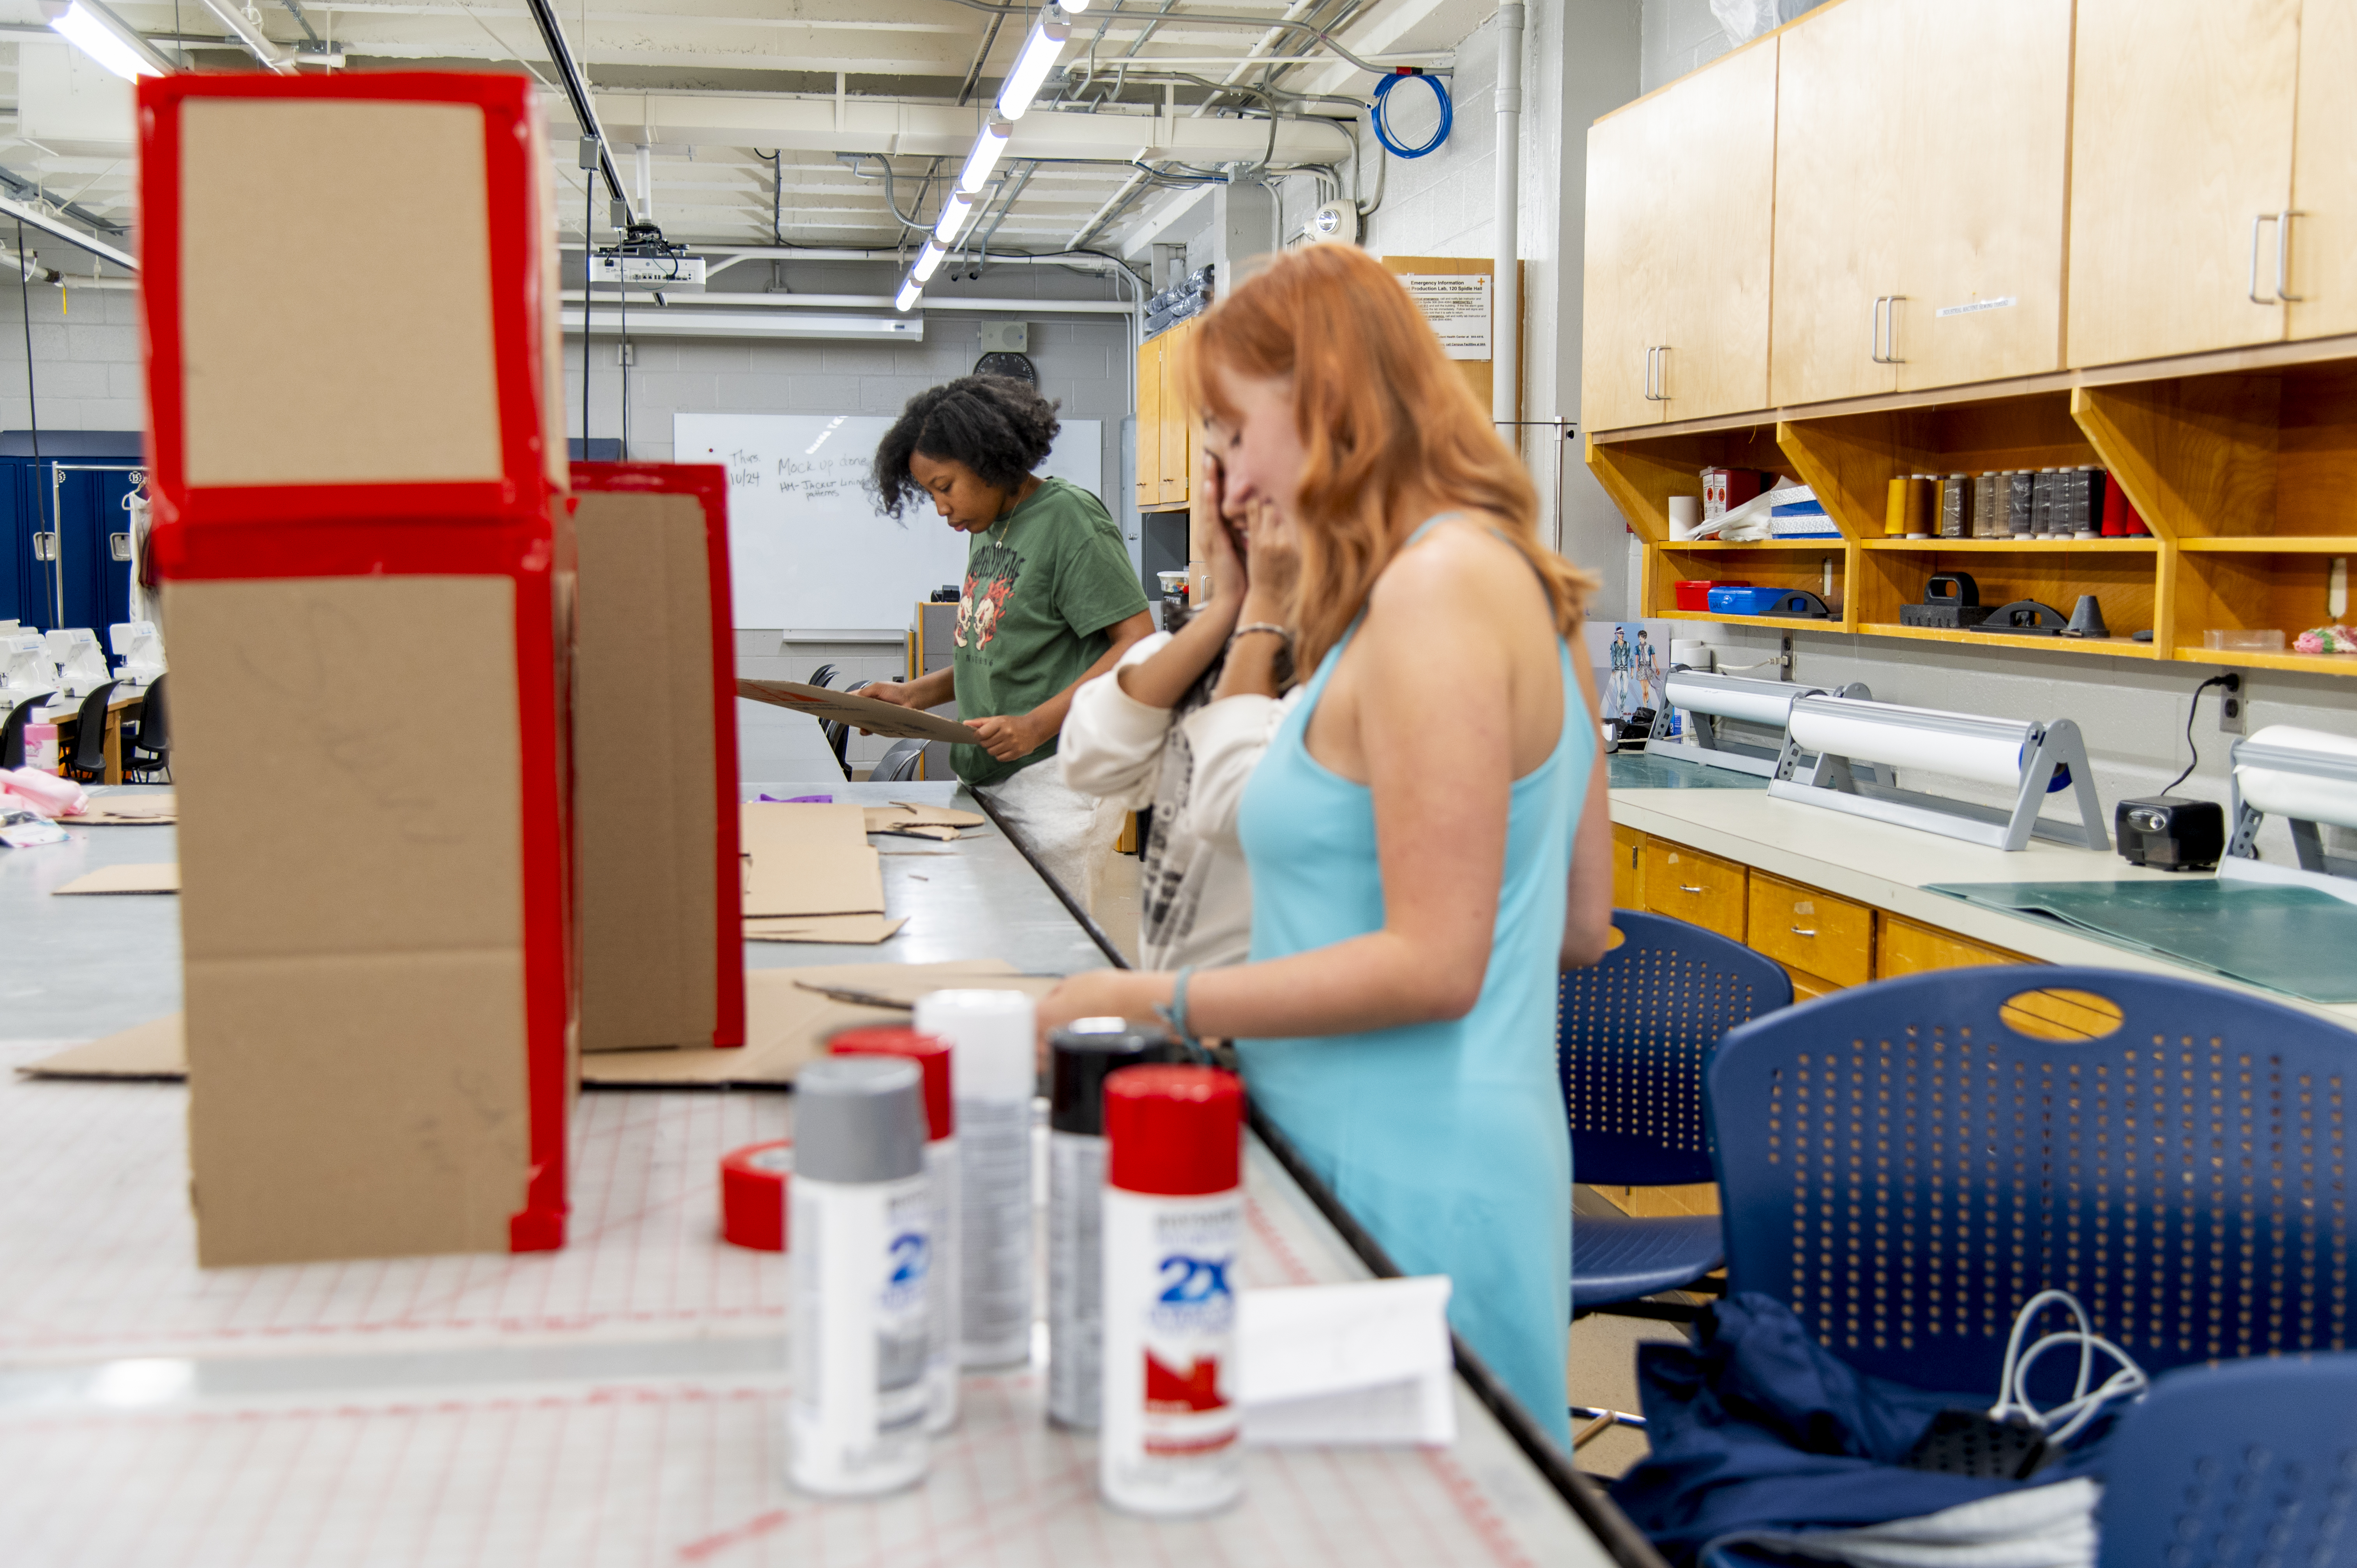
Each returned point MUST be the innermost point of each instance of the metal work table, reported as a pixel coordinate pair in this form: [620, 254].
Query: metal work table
[618, 1401]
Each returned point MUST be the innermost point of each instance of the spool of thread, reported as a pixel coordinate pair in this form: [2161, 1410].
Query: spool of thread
[753, 1184]
[1922, 505]
[856, 1412]
[1172, 1432]
[2020, 509]
[1686, 516]
[931, 1055]
[1692, 652]
[990, 1036]
[1956, 507]
[1894, 512]
[1082, 1056]
[1987, 522]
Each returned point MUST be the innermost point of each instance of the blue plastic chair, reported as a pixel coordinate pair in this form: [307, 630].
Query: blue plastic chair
[2255, 1462]
[1904, 1167]
[1631, 1035]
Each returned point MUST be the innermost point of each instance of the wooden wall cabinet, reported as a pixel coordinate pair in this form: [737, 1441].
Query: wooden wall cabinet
[2181, 162]
[2323, 237]
[1918, 204]
[1680, 203]
[1166, 427]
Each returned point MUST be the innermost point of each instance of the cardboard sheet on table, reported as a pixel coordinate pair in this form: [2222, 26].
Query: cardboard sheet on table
[904, 814]
[850, 708]
[163, 878]
[786, 1024]
[854, 930]
[127, 811]
[155, 1050]
[2292, 939]
[808, 860]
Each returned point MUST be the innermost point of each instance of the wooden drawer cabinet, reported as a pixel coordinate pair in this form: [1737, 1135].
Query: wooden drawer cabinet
[1804, 928]
[1906, 947]
[1688, 884]
[1628, 868]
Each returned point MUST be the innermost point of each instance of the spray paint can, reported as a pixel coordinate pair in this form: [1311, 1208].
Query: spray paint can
[1083, 1056]
[931, 1055]
[856, 1420]
[1172, 1435]
[992, 1078]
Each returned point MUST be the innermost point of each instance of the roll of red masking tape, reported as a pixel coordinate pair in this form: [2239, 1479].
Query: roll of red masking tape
[753, 1194]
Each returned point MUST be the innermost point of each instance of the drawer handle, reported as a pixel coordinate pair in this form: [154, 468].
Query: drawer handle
[1684, 888]
[1799, 932]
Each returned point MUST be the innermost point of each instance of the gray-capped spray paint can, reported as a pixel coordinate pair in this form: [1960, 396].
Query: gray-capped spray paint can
[862, 1251]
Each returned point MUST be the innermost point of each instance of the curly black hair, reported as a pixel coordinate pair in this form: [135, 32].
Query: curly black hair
[996, 425]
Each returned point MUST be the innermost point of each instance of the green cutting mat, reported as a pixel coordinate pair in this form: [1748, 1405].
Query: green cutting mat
[1641, 770]
[2293, 939]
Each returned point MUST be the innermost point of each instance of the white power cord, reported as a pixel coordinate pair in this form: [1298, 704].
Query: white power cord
[2013, 1383]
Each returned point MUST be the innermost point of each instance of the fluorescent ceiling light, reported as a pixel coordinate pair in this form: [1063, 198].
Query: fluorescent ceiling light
[108, 40]
[984, 156]
[1031, 67]
[929, 261]
[1075, 6]
[954, 213]
[682, 322]
[910, 292]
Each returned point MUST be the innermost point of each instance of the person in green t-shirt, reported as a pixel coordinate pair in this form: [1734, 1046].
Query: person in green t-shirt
[1051, 600]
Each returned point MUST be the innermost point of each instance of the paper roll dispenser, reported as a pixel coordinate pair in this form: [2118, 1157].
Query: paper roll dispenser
[1950, 599]
[2307, 776]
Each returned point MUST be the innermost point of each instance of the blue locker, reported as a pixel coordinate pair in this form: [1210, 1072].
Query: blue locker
[62, 525]
[94, 562]
[23, 581]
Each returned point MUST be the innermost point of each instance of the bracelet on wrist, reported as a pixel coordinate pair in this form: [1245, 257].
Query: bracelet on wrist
[1267, 626]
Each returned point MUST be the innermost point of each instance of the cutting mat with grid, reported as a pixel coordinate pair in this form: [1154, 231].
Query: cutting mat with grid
[683, 1473]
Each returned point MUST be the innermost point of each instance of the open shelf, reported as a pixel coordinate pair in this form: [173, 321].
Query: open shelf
[2118, 647]
[2126, 546]
[2246, 476]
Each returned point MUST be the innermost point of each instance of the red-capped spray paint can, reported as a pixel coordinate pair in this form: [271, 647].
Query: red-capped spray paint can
[1171, 1437]
[931, 1054]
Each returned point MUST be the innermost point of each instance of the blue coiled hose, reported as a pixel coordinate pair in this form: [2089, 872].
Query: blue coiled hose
[1383, 121]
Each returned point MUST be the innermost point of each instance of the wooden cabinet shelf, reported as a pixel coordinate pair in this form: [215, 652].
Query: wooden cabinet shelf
[2124, 546]
[2118, 647]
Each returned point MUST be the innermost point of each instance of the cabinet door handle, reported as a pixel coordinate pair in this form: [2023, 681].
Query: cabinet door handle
[1890, 328]
[1661, 376]
[2283, 256]
[1874, 330]
[1799, 932]
[2257, 223]
[1683, 888]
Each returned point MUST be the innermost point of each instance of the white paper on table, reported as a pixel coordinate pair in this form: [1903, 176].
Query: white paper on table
[1355, 1365]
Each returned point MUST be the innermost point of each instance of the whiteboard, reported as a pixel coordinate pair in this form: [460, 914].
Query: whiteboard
[807, 549]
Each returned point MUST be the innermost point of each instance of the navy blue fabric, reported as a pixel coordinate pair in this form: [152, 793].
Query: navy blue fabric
[1619, 1258]
[1757, 1426]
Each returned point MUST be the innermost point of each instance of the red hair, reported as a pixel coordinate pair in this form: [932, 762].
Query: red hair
[1380, 409]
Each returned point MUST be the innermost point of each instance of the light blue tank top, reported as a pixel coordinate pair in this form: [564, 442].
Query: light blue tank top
[1446, 1140]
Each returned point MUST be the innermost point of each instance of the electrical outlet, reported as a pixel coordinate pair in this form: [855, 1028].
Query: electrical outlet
[2231, 719]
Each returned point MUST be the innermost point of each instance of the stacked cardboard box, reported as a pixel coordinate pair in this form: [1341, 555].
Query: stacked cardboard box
[356, 446]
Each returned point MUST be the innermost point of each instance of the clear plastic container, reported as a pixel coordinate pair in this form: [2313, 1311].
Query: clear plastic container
[2242, 641]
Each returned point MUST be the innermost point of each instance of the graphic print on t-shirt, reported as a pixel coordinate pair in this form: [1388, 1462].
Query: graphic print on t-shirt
[989, 579]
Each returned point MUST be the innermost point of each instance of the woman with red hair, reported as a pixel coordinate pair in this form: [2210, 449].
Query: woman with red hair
[1426, 834]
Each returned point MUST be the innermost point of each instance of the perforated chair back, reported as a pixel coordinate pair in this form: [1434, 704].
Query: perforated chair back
[898, 764]
[2255, 1462]
[1632, 1037]
[1904, 1167]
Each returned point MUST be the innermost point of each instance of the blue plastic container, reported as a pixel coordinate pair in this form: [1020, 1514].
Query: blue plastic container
[1795, 602]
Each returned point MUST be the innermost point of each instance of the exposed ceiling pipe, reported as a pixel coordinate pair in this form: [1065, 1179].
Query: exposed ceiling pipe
[49, 223]
[1506, 288]
[1269, 41]
[256, 41]
[577, 93]
[1213, 19]
[688, 304]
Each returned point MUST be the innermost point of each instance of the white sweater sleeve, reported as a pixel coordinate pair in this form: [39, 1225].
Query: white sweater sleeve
[1112, 743]
[1227, 738]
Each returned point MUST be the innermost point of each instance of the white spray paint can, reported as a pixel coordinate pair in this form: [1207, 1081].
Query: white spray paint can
[991, 1049]
[1172, 1432]
[1081, 1055]
[855, 1420]
[931, 1055]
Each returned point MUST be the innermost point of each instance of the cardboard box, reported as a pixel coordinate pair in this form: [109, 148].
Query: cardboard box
[658, 876]
[369, 597]
[350, 291]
